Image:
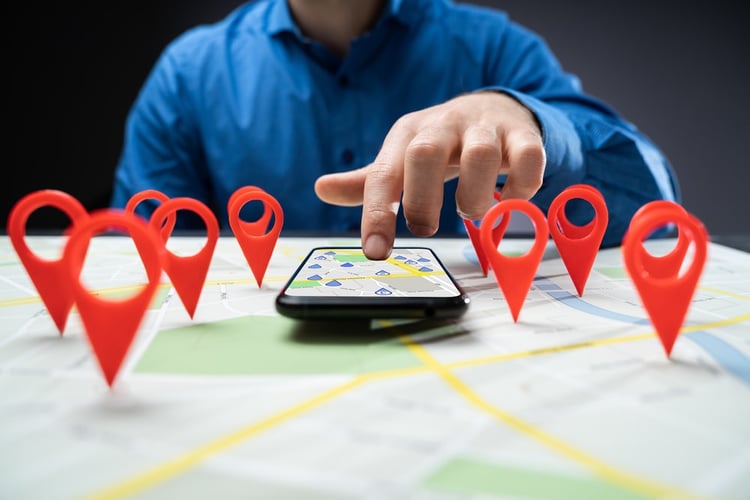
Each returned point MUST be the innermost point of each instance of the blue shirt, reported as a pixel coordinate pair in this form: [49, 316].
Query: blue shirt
[250, 101]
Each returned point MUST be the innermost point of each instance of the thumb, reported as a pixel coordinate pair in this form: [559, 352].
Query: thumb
[344, 188]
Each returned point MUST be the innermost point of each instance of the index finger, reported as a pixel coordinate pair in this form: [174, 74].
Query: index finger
[382, 195]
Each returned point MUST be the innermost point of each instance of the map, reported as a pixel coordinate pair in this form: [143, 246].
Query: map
[576, 399]
[346, 271]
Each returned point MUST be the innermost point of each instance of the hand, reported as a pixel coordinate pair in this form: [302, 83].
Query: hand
[475, 137]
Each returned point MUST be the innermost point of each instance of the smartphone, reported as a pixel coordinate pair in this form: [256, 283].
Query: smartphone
[340, 282]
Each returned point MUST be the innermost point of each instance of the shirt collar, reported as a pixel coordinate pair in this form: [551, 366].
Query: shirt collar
[280, 18]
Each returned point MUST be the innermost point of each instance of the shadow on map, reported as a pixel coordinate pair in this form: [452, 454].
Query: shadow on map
[365, 331]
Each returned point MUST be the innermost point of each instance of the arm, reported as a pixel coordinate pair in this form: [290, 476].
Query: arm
[585, 140]
[531, 123]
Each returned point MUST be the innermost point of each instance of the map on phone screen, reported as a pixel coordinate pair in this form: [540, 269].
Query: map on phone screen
[347, 272]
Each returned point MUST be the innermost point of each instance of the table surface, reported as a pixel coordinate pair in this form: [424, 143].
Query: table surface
[575, 400]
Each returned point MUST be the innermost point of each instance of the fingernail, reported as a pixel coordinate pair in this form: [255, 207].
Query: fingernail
[466, 216]
[376, 247]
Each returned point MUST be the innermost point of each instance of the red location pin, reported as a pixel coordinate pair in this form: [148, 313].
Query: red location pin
[111, 325]
[153, 194]
[188, 273]
[48, 276]
[256, 240]
[497, 234]
[514, 274]
[669, 264]
[578, 245]
[666, 298]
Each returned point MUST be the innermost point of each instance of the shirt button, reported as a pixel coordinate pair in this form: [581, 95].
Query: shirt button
[343, 80]
[347, 157]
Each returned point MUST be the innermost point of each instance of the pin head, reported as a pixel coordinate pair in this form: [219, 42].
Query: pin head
[243, 196]
[668, 264]
[48, 276]
[578, 245]
[514, 275]
[665, 296]
[111, 325]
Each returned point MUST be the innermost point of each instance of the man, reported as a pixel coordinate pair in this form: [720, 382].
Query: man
[287, 94]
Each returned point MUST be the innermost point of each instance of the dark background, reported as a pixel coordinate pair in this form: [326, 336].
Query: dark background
[679, 71]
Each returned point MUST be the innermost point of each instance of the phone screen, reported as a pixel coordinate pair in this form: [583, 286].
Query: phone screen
[342, 282]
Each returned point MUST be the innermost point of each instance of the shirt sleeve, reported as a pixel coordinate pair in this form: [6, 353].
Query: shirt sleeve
[160, 149]
[585, 140]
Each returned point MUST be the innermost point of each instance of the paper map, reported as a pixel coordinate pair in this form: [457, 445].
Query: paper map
[576, 400]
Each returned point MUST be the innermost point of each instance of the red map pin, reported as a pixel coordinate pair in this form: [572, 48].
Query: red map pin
[255, 238]
[669, 264]
[514, 274]
[111, 325]
[188, 272]
[497, 234]
[578, 245]
[48, 276]
[153, 194]
[666, 298]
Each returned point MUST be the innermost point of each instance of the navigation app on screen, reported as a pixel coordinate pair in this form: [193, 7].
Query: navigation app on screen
[347, 272]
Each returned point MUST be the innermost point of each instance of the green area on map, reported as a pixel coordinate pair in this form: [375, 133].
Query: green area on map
[253, 345]
[615, 273]
[156, 302]
[304, 284]
[472, 478]
[342, 257]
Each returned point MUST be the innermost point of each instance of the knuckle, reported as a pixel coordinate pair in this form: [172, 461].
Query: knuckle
[530, 151]
[450, 113]
[532, 154]
[417, 212]
[420, 211]
[407, 122]
[482, 153]
[527, 186]
[379, 215]
[424, 150]
[382, 172]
